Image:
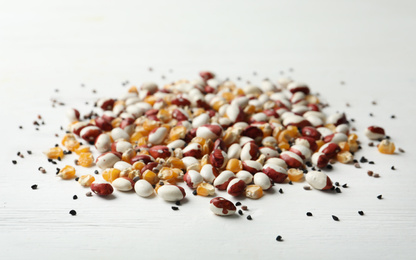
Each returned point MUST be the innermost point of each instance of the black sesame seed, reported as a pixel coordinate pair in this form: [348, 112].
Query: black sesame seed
[56, 145]
[175, 208]
[72, 212]
[281, 191]
[57, 170]
[337, 190]
[194, 193]
[290, 182]
[371, 144]
[388, 137]
[401, 150]
[14, 162]
[34, 186]
[393, 116]
[363, 160]
[75, 197]
[249, 217]
[329, 167]
[18, 153]
[371, 162]
[77, 178]
[178, 203]
[313, 169]
[352, 120]
[336, 183]
[355, 161]
[29, 152]
[238, 203]
[279, 238]
[59, 158]
[306, 187]
[392, 167]
[380, 197]
[309, 214]
[309, 164]
[345, 185]
[96, 172]
[240, 212]
[371, 114]
[20, 127]
[335, 218]
[305, 171]
[361, 212]
[53, 162]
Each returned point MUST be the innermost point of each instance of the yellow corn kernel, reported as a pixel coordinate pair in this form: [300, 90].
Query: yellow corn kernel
[250, 109]
[234, 165]
[205, 189]
[239, 92]
[70, 142]
[198, 140]
[136, 137]
[174, 162]
[312, 99]
[284, 145]
[254, 191]
[150, 177]
[386, 147]
[198, 112]
[166, 173]
[86, 160]
[353, 137]
[163, 115]
[228, 96]
[116, 122]
[353, 145]
[287, 135]
[177, 174]
[344, 146]
[128, 155]
[130, 173]
[345, 157]
[332, 127]
[216, 106]
[142, 141]
[66, 173]
[319, 143]
[150, 99]
[138, 165]
[177, 132]
[295, 174]
[82, 149]
[149, 125]
[86, 180]
[205, 160]
[133, 89]
[230, 137]
[54, 153]
[110, 174]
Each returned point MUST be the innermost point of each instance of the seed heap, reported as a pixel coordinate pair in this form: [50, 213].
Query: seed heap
[211, 135]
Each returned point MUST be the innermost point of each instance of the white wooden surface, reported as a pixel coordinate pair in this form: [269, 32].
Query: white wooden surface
[48, 45]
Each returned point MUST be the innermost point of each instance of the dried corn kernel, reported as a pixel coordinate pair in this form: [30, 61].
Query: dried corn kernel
[135, 137]
[177, 132]
[130, 173]
[70, 142]
[284, 145]
[54, 153]
[234, 165]
[254, 191]
[319, 143]
[345, 157]
[138, 165]
[86, 180]
[128, 155]
[174, 162]
[344, 146]
[295, 174]
[82, 149]
[386, 147]
[66, 173]
[110, 174]
[86, 160]
[150, 177]
[205, 189]
[149, 125]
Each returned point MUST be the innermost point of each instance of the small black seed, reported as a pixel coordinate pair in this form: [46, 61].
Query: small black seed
[305, 171]
[335, 218]
[371, 162]
[401, 150]
[29, 152]
[18, 153]
[238, 203]
[309, 164]
[355, 161]
[77, 178]
[336, 183]
[376, 175]
[363, 160]
[361, 212]
[14, 162]
[57, 170]
[290, 182]
[178, 203]
[393, 116]
[329, 167]
[306, 187]
[194, 193]
[374, 102]
[309, 214]
[249, 217]
[75, 197]
[345, 185]
[175, 208]
[20, 127]
[352, 120]
[371, 114]
[96, 172]
[279, 238]
[388, 137]
[34, 186]
[281, 191]
[333, 188]
[72, 212]
[380, 197]
[392, 167]
[240, 212]
[59, 158]
[56, 145]
[371, 144]
[359, 147]
[337, 190]
[313, 169]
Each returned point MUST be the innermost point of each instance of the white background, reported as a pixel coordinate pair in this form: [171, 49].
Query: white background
[48, 45]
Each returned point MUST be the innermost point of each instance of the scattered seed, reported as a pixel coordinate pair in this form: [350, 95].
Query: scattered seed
[357, 165]
[352, 120]
[238, 203]
[34, 186]
[345, 185]
[306, 187]
[74, 197]
[281, 191]
[329, 167]
[42, 170]
[374, 103]
[370, 162]
[72, 212]
[335, 218]
[337, 190]
[14, 162]
[194, 193]
[361, 212]
[376, 175]
[279, 238]
[363, 160]
[393, 116]
[178, 203]
[175, 208]
[77, 178]
[370, 173]
[244, 207]
[309, 214]
[20, 127]
[380, 197]
[29, 152]
[57, 170]
[240, 212]
[88, 194]
[96, 172]
[371, 144]
[249, 217]
[290, 182]
[392, 167]
[401, 150]
[371, 114]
